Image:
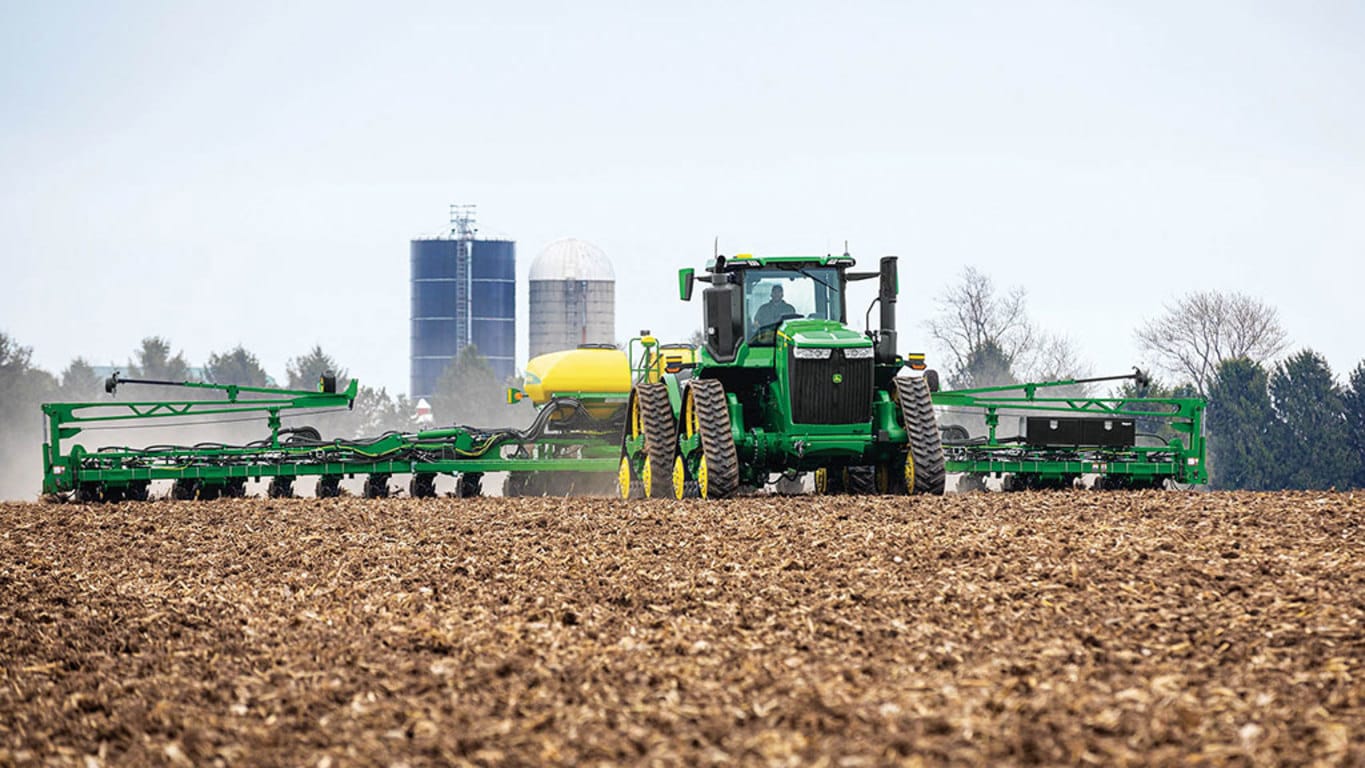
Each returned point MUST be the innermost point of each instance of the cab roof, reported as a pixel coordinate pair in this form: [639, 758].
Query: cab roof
[750, 261]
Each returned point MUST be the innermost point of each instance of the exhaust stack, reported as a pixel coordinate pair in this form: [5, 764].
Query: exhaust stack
[886, 298]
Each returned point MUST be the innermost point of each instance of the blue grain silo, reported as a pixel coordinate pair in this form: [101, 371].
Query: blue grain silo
[463, 292]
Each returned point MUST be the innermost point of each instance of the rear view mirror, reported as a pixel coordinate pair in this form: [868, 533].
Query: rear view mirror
[686, 278]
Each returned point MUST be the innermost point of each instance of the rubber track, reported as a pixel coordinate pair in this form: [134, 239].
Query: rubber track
[921, 428]
[661, 437]
[717, 441]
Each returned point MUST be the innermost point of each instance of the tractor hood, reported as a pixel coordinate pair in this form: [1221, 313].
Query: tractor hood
[822, 333]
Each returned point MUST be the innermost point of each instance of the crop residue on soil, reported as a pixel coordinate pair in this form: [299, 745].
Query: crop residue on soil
[982, 629]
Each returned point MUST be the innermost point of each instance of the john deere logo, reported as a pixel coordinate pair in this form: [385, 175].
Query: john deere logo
[838, 378]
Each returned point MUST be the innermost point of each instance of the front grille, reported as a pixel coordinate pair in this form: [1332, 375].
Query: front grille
[817, 399]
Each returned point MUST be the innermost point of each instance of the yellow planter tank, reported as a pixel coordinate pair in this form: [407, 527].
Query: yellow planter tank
[587, 373]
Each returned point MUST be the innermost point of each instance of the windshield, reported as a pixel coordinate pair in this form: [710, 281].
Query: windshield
[773, 295]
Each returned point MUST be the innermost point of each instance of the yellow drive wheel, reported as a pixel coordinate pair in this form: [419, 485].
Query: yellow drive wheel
[647, 478]
[891, 476]
[679, 478]
[703, 478]
[831, 481]
[623, 478]
[681, 487]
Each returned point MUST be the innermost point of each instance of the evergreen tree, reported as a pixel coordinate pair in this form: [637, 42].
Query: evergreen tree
[406, 413]
[236, 366]
[304, 371]
[1354, 407]
[469, 393]
[376, 412]
[1154, 428]
[1313, 448]
[1242, 428]
[79, 382]
[155, 361]
[23, 390]
[15, 363]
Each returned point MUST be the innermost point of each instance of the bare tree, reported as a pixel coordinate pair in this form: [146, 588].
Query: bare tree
[991, 341]
[973, 317]
[1202, 329]
[1055, 358]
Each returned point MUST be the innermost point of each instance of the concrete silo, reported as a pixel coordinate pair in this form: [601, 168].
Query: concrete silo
[573, 297]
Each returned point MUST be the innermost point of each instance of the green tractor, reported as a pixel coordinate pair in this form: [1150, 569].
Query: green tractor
[783, 386]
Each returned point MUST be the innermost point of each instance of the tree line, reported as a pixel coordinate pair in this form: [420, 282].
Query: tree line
[1272, 423]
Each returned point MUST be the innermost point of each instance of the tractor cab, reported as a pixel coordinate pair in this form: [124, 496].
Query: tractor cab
[751, 300]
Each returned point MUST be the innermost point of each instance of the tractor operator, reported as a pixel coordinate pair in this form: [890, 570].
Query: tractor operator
[772, 312]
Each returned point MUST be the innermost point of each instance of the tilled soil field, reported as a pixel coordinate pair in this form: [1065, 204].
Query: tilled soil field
[1080, 628]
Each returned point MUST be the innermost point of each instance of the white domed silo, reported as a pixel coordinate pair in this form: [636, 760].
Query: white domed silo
[573, 297]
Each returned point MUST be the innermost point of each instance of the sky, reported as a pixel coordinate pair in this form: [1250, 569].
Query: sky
[251, 173]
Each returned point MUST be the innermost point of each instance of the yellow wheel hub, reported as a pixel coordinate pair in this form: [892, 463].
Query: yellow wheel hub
[679, 478]
[647, 478]
[703, 478]
[623, 478]
[909, 473]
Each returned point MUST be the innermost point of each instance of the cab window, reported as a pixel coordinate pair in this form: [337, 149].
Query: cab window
[773, 296]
